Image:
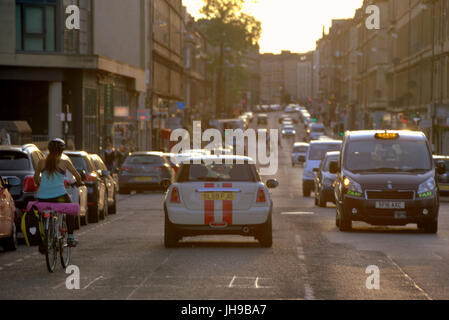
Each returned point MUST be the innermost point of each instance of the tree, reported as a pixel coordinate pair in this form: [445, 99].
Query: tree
[233, 32]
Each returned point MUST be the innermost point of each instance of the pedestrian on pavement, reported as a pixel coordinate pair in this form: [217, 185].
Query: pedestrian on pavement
[109, 157]
[5, 138]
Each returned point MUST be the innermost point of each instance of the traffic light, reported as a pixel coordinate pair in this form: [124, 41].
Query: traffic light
[341, 129]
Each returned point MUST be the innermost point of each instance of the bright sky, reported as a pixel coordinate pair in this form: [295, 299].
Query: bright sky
[293, 25]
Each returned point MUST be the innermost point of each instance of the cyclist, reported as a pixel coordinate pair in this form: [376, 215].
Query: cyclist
[51, 183]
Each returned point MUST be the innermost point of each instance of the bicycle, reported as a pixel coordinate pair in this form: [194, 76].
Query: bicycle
[55, 231]
[55, 239]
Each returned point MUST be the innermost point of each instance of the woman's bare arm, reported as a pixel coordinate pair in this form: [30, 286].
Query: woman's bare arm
[38, 171]
[69, 166]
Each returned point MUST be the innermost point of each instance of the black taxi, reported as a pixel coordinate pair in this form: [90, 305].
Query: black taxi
[386, 178]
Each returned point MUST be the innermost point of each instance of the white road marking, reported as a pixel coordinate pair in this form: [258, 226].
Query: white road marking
[410, 279]
[59, 285]
[141, 285]
[9, 265]
[232, 282]
[1, 268]
[298, 213]
[96, 279]
[19, 260]
[308, 290]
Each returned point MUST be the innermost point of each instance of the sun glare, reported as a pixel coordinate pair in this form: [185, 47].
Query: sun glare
[293, 25]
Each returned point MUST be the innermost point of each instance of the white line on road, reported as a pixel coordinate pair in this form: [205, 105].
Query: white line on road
[96, 279]
[410, 279]
[146, 278]
[232, 282]
[308, 291]
[298, 213]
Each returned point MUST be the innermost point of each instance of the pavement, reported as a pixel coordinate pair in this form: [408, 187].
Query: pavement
[123, 256]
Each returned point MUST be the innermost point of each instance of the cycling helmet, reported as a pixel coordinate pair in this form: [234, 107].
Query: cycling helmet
[56, 145]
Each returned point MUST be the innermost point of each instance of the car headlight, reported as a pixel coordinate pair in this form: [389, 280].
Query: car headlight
[352, 187]
[426, 188]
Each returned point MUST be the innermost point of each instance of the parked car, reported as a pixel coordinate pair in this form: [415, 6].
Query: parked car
[96, 188]
[443, 179]
[324, 180]
[299, 153]
[17, 165]
[109, 181]
[145, 171]
[8, 229]
[78, 195]
[315, 153]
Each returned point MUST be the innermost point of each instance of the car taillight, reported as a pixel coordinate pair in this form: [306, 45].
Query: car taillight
[66, 183]
[29, 185]
[261, 195]
[125, 169]
[174, 198]
[162, 168]
[90, 177]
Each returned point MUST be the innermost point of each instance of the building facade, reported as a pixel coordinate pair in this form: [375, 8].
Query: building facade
[47, 69]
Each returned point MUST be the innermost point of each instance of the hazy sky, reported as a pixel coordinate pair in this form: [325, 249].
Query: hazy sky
[293, 25]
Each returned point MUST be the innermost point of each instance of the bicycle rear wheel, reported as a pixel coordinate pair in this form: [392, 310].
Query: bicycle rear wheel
[64, 249]
[51, 254]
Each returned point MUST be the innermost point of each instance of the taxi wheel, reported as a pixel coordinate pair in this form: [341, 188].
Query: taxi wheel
[170, 236]
[431, 227]
[306, 192]
[321, 203]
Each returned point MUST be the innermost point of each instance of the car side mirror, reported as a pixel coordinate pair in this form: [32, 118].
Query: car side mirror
[272, 184]
[441, 167]
[333, 167]
[83, 175]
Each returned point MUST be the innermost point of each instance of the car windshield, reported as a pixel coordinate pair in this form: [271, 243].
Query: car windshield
[328, 161]
[11, 160]
[317, 128]
[78, 163]
[387, 156]
[301, 149]
[319, 150]
[217, 172]
[144, 159]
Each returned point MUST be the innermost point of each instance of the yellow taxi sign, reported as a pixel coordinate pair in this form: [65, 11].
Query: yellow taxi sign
[387, 135]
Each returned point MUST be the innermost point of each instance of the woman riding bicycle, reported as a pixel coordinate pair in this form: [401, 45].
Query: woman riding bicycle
[51, 182]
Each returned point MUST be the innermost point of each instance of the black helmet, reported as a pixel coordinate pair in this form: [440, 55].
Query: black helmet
[56, 145]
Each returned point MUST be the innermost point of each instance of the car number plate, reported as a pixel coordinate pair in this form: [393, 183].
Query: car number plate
[218, 196]
[390, 205]
[442, 187]
[144, 179]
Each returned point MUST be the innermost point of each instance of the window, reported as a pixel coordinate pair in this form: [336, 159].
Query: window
[36, 25]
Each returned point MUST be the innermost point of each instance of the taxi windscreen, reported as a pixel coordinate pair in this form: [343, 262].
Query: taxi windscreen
[217, 172]
[387, 156]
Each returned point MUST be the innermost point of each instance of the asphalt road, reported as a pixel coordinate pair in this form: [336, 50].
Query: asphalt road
[123, 257]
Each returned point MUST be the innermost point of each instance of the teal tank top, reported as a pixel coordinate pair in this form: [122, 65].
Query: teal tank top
[51, 186]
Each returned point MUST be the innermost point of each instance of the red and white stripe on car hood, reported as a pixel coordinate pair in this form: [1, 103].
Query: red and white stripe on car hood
[220, 214]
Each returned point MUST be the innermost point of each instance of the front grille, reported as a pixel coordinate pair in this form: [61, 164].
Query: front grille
[390, 195]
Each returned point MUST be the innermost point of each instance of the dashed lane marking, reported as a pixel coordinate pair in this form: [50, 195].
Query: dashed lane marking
[298, 213]
[308, 290]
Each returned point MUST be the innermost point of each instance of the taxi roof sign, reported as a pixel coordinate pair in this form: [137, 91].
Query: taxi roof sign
[387, 135]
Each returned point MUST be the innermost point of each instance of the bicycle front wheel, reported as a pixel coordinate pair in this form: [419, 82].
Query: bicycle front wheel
[64, 249]
[51, 252]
